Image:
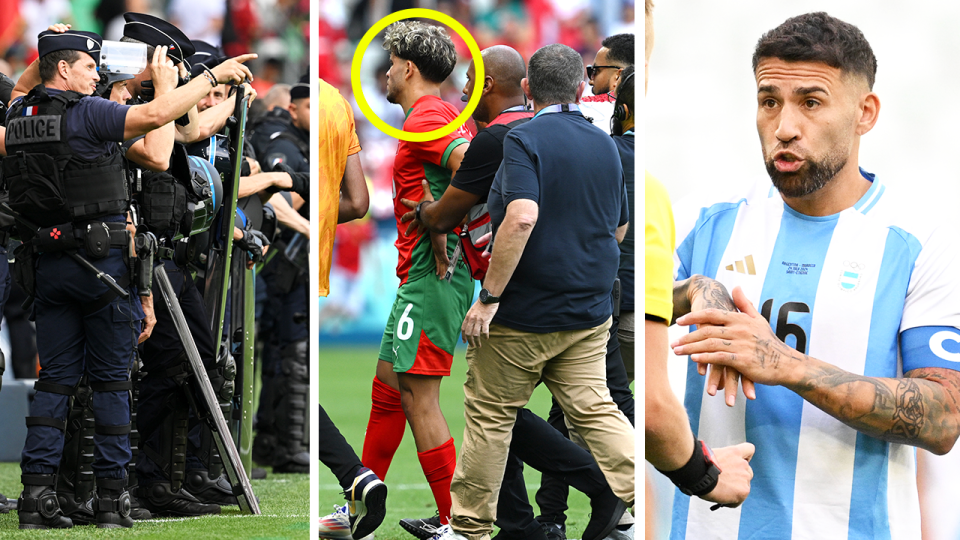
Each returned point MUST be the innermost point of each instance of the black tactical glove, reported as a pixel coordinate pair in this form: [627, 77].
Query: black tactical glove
[253, 242]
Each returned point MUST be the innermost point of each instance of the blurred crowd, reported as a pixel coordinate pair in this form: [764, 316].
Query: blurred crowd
[368, 269]
[277, 30]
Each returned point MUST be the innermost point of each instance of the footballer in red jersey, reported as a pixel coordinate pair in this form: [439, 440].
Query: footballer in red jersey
[424, 323]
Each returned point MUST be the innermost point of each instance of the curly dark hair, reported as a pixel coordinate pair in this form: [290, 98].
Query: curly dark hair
[429, 47]
[818, 37]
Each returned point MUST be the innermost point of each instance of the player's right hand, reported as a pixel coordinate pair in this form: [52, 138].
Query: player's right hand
[233, 70]
[733, 484]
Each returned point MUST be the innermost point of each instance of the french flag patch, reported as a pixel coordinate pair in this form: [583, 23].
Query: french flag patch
[30, 111]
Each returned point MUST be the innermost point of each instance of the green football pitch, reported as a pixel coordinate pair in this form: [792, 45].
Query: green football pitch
[283, 502]
[346, 376]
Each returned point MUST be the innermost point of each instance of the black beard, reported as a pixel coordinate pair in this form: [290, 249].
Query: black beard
[812, 176]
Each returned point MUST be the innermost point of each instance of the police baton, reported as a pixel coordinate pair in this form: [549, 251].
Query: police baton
[104, 277]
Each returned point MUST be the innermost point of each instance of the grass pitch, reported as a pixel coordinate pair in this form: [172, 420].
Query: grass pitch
[346, 377]
[283, 502]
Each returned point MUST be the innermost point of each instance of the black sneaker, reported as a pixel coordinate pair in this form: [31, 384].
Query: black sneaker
[554, 531]
[605, 512]
[160, 500]
[424, 529]
[367, 502]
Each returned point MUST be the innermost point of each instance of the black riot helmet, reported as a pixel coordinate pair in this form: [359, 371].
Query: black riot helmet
[208, 188]
[106, 82]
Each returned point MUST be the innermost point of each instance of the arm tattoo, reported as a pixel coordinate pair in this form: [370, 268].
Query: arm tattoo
[922, 409]
[710, 292]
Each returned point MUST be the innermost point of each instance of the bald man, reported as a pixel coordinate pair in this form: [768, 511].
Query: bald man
[535, 442]
[502, 106]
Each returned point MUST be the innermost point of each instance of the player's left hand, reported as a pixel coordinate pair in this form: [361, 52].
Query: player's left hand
[477, 322]
[438, 242]
[743, 341]
[411, 216]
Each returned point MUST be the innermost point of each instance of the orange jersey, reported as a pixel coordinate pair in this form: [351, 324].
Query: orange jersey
[338, 139]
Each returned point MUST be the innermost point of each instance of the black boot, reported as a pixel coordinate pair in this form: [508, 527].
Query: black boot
[160, 499]
[209, 490]
[137, 511]
[79, 512]
[38, 507]
[112, 504]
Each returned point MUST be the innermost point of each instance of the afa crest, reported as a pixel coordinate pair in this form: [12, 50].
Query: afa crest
[851, 275]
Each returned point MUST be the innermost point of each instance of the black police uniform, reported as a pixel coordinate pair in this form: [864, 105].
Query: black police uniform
[68, 178]
[282, 429]
[170, 435]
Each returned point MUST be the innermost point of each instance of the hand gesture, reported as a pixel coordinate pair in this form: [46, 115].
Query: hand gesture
[59, 27]
[233, 70]
[742, 341]
[711, 294]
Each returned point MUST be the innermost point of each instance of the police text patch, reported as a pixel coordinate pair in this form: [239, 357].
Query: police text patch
[33, 129]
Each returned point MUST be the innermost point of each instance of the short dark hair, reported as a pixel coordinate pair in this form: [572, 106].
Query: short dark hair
[625, 89]
[429, 47]
[554, 74]
[621, 49]
[50, 61]
[818, 37]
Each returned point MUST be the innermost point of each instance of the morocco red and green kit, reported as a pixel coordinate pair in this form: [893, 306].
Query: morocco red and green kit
[425, 320]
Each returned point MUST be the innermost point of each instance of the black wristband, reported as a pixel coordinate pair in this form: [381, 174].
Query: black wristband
[300, 183]
[700, 474]
[418, 210]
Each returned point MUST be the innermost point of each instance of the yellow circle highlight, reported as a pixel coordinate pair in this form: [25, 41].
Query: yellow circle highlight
[358, 90]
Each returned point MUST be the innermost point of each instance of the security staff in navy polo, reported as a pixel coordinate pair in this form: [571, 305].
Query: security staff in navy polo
[65, 176]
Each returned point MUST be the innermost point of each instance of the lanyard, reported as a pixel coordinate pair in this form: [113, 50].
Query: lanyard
[515, 108]
[559, 107]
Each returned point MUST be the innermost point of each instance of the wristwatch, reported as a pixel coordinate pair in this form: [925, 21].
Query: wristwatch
[487, 298]
[708, 481]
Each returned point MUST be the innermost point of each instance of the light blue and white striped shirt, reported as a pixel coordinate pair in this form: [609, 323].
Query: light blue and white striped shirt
[872, 290]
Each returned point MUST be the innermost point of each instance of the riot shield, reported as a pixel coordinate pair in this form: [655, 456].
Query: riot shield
[209, 410]
[216, 279]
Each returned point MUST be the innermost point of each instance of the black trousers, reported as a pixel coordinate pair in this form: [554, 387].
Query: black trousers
[336, 453]
[538, 444]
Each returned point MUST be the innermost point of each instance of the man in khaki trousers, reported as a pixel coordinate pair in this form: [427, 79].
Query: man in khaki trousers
[559, 208]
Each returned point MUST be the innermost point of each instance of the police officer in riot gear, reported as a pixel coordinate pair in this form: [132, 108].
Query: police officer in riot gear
[65, 175]
[282, 431]
[178, 466]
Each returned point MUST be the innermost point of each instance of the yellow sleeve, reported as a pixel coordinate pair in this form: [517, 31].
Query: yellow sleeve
[659, 243]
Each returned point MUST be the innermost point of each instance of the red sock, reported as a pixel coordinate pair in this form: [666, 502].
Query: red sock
[384, 430]
[438, 465]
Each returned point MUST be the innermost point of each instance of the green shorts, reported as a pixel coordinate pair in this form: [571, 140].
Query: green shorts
[425, 322]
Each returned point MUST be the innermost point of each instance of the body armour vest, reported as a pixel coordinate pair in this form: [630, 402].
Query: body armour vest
[48, 182]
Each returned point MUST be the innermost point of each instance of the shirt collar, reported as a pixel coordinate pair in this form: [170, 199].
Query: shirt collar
[559, 107]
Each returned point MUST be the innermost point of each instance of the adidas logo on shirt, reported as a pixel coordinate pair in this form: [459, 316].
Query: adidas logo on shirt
[744, 266]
